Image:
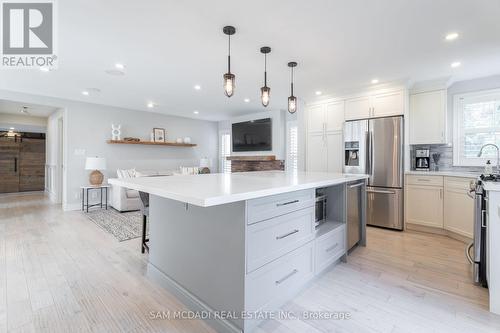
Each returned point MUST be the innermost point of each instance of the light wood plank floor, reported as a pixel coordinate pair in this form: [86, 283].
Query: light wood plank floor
[61, 273]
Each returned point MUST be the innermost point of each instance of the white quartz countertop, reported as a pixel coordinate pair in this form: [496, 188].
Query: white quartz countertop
[219, 188]
[463, 174]
[492, 186]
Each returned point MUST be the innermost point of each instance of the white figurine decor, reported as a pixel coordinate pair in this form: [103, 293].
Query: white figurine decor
[116, 132]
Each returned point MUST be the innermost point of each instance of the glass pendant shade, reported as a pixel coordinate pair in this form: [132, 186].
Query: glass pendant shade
[292, 104]
[265, 93]
[228, 84]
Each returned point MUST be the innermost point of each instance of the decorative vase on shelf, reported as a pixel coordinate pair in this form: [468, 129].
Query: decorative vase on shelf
[179, 140]
[187, 139]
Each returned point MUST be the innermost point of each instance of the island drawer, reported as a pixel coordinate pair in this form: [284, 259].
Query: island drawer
[261, 209]
[424, 180]
[274, 283]
[329, 248]
[275, 237]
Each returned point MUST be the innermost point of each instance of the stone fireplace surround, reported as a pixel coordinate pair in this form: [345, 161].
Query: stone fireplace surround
[255, 163]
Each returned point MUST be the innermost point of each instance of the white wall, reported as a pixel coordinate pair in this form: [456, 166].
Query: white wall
[23, 123]
[88, 126]
[278, 132]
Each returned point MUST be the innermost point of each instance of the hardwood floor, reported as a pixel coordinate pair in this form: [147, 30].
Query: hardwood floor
[59, 273]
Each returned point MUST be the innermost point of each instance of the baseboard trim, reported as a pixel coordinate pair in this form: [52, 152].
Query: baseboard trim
[72, 206]
[191, 301]
[438, 231]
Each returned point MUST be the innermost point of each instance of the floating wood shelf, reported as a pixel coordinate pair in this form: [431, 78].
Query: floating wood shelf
[151, 143]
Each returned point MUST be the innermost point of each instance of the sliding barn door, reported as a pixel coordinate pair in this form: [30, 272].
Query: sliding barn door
[32, 165]
[9, 164]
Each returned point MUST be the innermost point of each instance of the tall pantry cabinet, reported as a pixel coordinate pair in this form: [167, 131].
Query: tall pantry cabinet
[325, 123]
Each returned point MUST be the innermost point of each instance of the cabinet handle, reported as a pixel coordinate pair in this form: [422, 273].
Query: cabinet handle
[289, 275]
[332, 247]
[423, 180]
[286, 203]
[287, 234]
[15, 165]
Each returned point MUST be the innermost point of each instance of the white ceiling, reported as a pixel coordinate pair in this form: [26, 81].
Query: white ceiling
[169, 46]
[34, 110]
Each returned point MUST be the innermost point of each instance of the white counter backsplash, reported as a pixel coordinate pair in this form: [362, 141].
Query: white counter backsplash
[446, 160]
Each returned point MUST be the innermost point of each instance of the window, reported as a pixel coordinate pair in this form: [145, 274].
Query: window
[225, 151]
[292, 146]
[476, 122]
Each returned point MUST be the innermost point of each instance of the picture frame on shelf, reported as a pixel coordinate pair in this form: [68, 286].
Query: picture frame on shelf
[158, 134]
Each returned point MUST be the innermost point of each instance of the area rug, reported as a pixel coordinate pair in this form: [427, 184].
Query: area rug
[123, 226]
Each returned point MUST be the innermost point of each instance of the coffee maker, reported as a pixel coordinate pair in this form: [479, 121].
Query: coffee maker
[422, 159]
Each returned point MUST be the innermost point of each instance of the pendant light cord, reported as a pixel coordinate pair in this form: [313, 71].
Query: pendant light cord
[291, 83]
[229, 55]
[265, 69]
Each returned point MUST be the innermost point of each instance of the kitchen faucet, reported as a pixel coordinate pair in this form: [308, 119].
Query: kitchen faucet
[498, 154]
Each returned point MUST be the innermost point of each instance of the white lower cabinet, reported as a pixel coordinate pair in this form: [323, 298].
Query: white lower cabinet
[275, 282]
[424, 205]
[440, 202]
[458, 206]
[329, 248]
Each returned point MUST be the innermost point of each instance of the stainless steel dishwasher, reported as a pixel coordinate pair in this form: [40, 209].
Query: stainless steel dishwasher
[355, 211]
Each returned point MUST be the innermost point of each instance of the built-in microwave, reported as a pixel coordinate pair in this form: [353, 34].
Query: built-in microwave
[320, 207]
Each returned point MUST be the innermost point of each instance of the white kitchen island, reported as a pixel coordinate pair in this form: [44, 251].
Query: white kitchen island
[235, 247]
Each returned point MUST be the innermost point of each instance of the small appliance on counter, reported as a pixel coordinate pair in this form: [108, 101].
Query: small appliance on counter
[320, 207]
[422, 159]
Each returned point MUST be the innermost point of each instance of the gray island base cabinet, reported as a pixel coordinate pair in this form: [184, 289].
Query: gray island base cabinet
[237, 262]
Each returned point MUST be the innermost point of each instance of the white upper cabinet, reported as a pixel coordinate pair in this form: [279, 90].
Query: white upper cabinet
[317, 150]
[335, 144]
[388, 104]
[357, 108]
[316, 118]
[428, 117]
[335, 116]
[375, 105]
[325, 123]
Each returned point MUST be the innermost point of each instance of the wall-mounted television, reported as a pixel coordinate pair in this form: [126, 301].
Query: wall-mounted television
[254, 135]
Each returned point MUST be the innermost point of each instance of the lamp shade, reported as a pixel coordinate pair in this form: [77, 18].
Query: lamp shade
[95, 163]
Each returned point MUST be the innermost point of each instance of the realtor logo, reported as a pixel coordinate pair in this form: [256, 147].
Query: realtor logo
[28, 34]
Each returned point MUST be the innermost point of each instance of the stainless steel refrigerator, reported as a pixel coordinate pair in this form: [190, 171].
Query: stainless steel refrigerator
[376, 147]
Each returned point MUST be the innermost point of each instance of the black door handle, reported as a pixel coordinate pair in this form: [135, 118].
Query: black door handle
[15, 164]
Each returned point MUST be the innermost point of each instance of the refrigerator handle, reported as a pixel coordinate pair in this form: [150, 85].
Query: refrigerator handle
[367, 157]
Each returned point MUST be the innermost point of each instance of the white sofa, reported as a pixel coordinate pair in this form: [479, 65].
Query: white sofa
[124, 199]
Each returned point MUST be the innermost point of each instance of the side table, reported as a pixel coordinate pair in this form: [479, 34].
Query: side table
[85, 196]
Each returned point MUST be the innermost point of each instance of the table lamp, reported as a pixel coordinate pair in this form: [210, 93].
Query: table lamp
[95, 164]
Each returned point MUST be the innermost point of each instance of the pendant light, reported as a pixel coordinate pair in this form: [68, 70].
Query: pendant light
[229, 77]
[265, 91]
[292, 100]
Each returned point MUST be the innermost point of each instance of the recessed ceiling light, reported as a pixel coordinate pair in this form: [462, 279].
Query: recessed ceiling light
[451, 36]
[374, 81]
[152, 105]
[196, 112]
[44, 69]
[90, 91]
[456, 64]
[120, 66]
[115, 72]
[318, 93]
[197, 87]
[246, 100]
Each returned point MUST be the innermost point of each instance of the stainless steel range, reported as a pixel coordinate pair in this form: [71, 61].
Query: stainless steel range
[478, 256]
